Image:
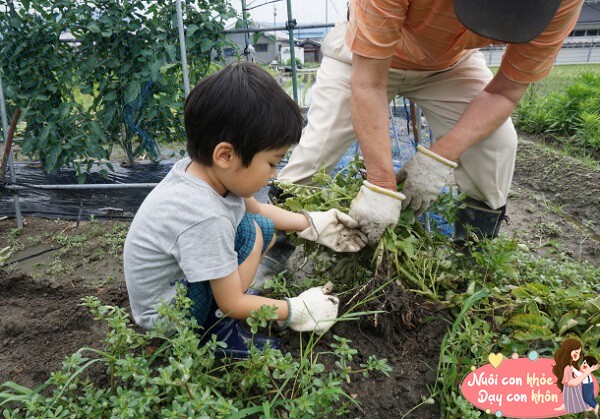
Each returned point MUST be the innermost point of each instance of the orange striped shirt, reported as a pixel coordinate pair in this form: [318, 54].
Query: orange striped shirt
[426, 35]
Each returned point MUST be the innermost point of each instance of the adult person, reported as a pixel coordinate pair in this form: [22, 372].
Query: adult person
[427, 51]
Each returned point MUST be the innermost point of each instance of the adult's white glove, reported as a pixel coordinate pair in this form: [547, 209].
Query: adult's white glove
[313, 310]
[425, 175]
[334, 229]
[375, 209]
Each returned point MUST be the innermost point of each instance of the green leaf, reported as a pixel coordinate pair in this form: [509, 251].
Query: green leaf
[191, 29]
[534, 332]
[93, 27]
[155, 70]
[171, 52]
[110, 97]
[568, 321]
[132, 92]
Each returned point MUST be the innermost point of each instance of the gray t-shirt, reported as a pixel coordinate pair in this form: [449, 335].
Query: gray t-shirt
[183, 231]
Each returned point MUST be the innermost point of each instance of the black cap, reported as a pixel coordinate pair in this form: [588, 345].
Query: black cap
[511, 21]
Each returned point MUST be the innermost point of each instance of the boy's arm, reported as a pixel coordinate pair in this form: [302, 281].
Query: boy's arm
[234, 302]
[313, 310]
[283, 219]
[332, 228]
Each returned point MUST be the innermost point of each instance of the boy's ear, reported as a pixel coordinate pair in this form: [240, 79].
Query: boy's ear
[223, 155]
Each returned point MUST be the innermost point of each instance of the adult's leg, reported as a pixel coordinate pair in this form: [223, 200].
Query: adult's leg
[329, 133]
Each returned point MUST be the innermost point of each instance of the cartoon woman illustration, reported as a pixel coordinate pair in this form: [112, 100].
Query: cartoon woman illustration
[569, 378]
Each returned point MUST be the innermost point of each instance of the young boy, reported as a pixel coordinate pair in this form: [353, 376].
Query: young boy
[202, 227]
[587, 386]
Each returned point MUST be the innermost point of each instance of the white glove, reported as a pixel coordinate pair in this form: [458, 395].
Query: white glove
[375, 209]
[425, 175]
[313, 310]
[334, 229]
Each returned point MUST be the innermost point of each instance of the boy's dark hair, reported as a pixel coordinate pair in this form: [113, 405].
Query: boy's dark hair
[590, 360]
[243, 105]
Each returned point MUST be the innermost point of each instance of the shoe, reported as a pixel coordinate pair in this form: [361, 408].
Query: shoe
[478, 219]
[233, 333]
[276, 195]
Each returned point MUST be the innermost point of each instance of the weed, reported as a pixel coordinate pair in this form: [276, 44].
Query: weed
[571, 113]
[182, 378]
[58, 268]
[5, 254]
[548, 229]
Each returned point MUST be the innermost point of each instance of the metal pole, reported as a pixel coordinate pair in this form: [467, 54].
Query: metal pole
[326, 12]
[275, 32]
[279, 28]
[291, 24]
[184, 64]
[246, 42]
[82, 187]
[11, 167]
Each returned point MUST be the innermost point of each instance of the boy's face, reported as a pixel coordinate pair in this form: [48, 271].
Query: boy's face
[584, 366]
[247, 181]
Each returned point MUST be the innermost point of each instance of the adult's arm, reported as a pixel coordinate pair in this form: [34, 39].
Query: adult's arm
[369, 108]
[485, 114]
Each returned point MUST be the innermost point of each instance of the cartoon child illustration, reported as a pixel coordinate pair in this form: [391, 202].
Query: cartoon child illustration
[587, 386]
[569, 378]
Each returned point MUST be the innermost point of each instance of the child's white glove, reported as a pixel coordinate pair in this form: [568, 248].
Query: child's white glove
[375, 209]
[334, 229]
[313, 310]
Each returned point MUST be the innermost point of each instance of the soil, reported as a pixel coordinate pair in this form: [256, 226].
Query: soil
[554, 209]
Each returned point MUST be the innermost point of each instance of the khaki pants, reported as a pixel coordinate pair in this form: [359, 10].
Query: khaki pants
[484, 171]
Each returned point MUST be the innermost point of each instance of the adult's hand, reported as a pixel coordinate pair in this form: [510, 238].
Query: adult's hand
[424, 175]
[376, 209]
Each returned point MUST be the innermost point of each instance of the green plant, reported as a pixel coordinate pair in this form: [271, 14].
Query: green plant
[567, 109]
[503, 299]
[148, 374]
[5, 254]
[119, 85]
[288, 62]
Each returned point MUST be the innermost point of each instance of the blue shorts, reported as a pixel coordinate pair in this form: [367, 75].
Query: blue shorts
[245, 237]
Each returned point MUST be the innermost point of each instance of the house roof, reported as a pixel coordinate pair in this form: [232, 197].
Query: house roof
[310, 41]
[590, 13]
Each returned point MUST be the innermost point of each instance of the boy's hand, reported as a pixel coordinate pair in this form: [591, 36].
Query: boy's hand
[313, 310]
[334, 229]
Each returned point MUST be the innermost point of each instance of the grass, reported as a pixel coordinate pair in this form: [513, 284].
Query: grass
[564, 108]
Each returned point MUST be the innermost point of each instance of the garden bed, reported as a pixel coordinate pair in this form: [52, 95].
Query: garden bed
[553, 209]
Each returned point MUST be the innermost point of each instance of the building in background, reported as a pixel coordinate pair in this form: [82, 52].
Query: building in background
[312, 51]
[266, 47]
[581, 46]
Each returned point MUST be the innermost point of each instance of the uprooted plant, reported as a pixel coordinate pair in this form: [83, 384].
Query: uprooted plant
[498, 298]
